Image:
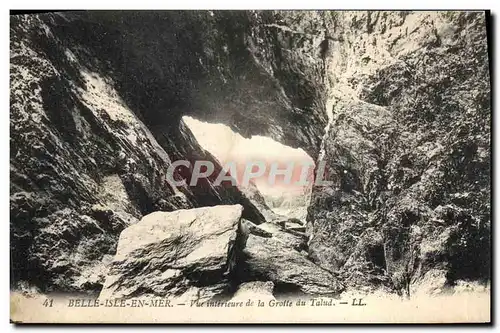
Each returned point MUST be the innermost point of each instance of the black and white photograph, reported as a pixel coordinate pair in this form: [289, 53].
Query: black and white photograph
[250, 166]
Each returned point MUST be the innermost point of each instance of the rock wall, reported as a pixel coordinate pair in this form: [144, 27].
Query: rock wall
[96, 106]
[408, 148]
[260, 72]
[396, 103]
[182, 253]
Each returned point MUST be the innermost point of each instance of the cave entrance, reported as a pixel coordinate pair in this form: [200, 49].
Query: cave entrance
[288, 195]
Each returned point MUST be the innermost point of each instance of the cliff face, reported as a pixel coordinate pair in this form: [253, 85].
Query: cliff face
[408, 146]
[396, 103]
[96, 106]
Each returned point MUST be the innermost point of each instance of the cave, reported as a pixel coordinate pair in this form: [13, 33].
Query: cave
[285, 196]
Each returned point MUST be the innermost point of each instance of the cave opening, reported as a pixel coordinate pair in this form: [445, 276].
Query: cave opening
[287, 192]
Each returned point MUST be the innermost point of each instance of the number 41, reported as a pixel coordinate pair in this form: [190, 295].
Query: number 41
[48, 302]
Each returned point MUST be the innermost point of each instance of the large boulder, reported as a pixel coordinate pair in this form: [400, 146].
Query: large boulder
[254, 290]
[173, 254]
[205, 253]
[85, 163]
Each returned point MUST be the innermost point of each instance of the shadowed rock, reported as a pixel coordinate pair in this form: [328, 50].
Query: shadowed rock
[95, 120]
[254, 290]
[407, 148]
[290, 271]
[173, 254]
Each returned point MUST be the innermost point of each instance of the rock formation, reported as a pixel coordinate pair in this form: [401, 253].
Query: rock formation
[174, 254]
[408, 145]
[205, 253]
[396, 103]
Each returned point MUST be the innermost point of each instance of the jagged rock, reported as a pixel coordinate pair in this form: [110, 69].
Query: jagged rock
[290, 237]
[227, 65]
[174, 253]
[291, 272]
[354, 150]
[301, 229]
[292, 206]
[95, 121]
[289, 223]
[286, 237]
[257, 199]
[256, 230]
[419, 139]
[365, 267]
[254, 290]
[84, 162]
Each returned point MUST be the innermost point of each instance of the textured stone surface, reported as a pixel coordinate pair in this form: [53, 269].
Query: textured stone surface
[255, 290]
[174, 253]
[260, 72]
[83, 164]
[257, 199]
[407, 146]
[291, 271]
[295, 240]
[396, 103]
